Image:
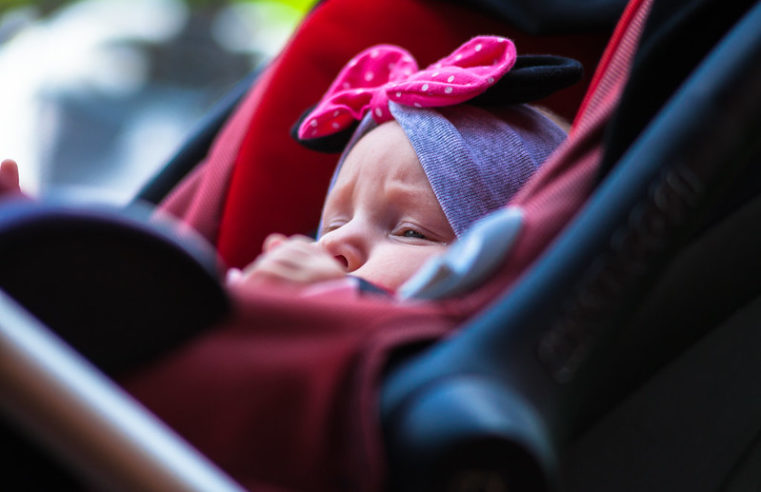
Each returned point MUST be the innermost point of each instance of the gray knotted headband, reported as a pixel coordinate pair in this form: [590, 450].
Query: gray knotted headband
[474, 160]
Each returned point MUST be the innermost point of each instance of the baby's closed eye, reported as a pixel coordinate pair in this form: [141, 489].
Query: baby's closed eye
[413, 233]
[332, 225]
[418, 234]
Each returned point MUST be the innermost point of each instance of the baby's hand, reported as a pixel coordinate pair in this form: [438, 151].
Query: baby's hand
[295, 261]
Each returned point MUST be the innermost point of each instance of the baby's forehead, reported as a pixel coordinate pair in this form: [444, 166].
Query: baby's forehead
[382, 164]
[384, 152]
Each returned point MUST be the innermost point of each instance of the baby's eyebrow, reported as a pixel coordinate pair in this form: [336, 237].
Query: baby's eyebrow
[424, 206]
[406, 194]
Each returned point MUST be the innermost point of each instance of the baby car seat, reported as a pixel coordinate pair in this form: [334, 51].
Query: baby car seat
[601, 353]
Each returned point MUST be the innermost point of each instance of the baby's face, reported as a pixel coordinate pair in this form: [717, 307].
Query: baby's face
[381, 218]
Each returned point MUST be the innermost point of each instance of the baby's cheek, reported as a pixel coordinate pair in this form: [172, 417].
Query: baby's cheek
[392, 266]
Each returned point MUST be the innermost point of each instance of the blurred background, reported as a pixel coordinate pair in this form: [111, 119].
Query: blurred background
[98, 94]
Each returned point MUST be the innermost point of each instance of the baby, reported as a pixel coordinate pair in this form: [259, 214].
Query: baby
[412, 178]
[380, 221]
[419, 169]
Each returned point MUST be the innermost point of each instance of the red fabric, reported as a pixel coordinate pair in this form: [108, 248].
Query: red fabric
[561, 186]
[198, 201]
[278, 396]
[614, 63]
[277, 186]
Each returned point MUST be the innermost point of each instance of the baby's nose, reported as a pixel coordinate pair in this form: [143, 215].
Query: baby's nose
[342, 260]
[346, 247]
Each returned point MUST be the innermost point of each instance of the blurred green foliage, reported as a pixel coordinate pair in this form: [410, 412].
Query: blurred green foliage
[47, 6]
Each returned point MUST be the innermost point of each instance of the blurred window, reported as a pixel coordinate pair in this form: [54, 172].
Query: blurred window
[98, 94]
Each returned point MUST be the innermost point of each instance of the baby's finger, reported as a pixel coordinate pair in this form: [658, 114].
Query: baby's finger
[301, 238]
[273, 241]
[9, 178]
[284, 255]
[297, 244]
[300, 250]
[234, 276]
[270, 272]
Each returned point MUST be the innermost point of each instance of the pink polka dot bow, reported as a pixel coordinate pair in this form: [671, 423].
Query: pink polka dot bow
[386, 73]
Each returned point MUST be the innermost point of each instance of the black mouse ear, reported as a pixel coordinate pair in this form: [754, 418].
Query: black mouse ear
[533, 77]
[329, 144]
